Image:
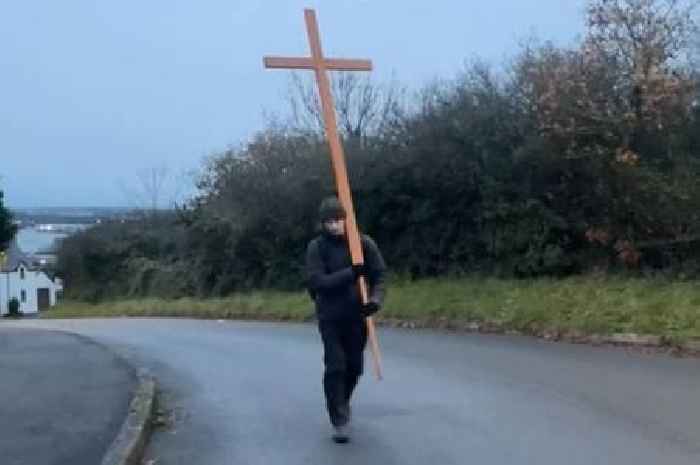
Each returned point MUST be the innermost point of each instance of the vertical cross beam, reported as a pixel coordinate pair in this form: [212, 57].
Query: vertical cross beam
[337, 154]
[320, 65]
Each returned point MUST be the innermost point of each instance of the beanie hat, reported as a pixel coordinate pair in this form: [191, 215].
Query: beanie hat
[331, 209]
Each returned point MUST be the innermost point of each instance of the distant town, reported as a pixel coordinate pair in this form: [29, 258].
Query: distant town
[46, 218]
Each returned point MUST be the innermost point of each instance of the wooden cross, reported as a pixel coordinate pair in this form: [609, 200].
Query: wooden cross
[320, 65]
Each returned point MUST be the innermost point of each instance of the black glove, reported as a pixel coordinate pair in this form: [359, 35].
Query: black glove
[359, 270]
[369, 309]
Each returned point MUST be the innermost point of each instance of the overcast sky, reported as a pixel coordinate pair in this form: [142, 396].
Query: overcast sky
[94, 91]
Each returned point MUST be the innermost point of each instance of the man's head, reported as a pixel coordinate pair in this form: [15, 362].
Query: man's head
[332, 216]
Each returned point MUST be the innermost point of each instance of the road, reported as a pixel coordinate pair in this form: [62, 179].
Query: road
[250, 393]
[62, 397]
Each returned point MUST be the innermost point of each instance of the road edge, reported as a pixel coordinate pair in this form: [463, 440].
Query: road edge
[689, 348]
[129, 445]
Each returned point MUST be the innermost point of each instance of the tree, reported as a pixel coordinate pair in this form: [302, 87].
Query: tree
[7, 227]
[157, 188]
[647, 44]
[363, 107]
[572, 159]
[612, 115]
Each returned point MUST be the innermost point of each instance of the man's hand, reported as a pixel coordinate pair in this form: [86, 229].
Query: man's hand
[359, 270]
[369, 309]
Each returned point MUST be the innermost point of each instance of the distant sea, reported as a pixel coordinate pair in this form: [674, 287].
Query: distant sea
[58, 222]
[32, 241]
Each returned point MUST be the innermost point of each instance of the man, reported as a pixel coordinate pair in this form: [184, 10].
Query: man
[332, 283]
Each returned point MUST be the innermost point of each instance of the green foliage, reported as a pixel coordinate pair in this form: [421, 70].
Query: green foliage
[7, 228]
[572, 160]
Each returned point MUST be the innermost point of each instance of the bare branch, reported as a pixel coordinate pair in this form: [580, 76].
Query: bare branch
[362, 107]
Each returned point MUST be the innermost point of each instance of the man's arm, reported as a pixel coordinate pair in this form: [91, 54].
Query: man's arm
[316, 276]
[376, 271]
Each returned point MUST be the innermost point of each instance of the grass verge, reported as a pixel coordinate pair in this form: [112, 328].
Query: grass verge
[585, 305]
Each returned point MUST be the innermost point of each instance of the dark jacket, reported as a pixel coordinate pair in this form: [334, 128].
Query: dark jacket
[330, 278]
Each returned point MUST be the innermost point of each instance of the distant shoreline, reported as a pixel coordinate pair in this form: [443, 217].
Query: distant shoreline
[69, 215]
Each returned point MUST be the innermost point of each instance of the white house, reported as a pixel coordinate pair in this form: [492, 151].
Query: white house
[20, 277]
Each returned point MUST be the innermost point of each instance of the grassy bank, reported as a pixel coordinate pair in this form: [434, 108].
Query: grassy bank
[585, 305]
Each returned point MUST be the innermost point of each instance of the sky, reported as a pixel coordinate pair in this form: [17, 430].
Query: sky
[94, 92]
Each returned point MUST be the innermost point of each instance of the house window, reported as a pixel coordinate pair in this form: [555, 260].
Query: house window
[23, 296]
[21, 273]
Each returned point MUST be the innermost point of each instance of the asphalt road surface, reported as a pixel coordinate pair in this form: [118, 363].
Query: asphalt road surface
[250, 393]
[62, 398]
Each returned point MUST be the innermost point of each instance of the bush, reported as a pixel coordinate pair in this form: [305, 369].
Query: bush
[555, 166]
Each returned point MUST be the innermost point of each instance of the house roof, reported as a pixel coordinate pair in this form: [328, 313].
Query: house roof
[15, 256]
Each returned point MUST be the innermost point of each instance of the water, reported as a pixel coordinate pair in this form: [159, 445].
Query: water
[32, 241]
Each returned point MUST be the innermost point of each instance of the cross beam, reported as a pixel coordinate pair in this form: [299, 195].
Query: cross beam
[320, 65]
[331, 64]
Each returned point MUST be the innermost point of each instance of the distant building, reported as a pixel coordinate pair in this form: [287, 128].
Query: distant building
[21, 277]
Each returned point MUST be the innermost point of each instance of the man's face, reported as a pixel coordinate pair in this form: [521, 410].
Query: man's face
[335, 226]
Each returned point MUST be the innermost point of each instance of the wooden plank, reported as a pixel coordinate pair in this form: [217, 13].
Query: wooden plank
[342, 64]
[333, 64]
[337, 155]
[288, 63]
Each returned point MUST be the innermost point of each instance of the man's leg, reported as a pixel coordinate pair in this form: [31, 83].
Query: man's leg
[354, 342]
[335, 361]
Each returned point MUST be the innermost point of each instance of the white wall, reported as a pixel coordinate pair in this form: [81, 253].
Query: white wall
[32, 281]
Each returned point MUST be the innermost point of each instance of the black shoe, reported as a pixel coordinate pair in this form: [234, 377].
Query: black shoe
[340, 434]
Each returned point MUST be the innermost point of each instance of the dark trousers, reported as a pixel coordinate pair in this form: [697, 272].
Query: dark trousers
[344, 343]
